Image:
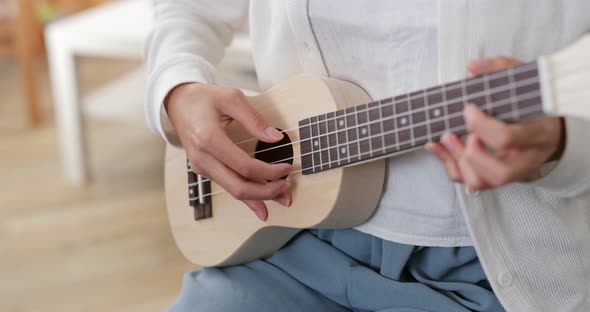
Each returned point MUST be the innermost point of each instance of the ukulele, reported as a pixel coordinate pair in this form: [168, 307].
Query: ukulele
[337, 148]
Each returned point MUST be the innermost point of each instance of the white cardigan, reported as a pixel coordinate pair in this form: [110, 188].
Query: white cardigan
[533, 239]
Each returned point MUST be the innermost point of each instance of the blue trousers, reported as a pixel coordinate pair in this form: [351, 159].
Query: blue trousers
[344, 270]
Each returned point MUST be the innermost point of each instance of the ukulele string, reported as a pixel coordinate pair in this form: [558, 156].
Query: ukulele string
[384, 148]
[505, 102]
[464, 83]
[524, 83]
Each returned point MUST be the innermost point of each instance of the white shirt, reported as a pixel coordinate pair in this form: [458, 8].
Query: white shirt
[354, 36]
[533, 239]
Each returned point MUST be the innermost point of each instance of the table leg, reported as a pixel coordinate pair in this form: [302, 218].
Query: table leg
[25, 38]
[67, 106]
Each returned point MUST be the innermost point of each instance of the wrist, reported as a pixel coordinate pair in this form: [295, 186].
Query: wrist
[175, 94]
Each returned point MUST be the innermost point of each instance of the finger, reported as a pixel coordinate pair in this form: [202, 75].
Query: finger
[218, 144]
[500, 135]
[492, 169]
[285, 199]
[487, 65]
[258, 207]
[237, 186]
[450, 164]
[453, 144]
[239, 109]
[472, 178]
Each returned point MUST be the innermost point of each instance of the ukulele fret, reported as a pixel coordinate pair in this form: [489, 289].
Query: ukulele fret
[389, 125]
[497, 83]
[306, 149]
[342, 137]
[438, 119]
[332, 138]
[376, 129]
[323, 142]
[419, 125]
[351, 132]
[402, 122]
[363, 131]
[315, 145]
[456, 102]
[528, 107]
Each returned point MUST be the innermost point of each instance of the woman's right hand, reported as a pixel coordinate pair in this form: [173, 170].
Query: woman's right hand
[200, 113]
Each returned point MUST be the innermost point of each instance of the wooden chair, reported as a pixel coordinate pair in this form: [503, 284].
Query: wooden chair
[6, 40]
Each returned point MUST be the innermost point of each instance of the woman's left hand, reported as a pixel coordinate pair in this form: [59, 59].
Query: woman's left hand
[518, 150]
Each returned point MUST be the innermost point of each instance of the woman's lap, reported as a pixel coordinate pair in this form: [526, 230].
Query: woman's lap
[342, 270]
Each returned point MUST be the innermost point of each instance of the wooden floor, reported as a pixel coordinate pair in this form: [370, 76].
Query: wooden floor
[105, 247]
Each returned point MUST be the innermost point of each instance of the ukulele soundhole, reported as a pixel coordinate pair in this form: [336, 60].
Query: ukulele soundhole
[274, 153]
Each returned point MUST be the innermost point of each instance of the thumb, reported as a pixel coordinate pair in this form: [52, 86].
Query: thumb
[253, 122]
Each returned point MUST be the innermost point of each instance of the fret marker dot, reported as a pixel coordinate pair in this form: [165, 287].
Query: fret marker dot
[403, 121]
[190, 191]
[343, 150]
[364, 131]
[341, 123]
[316, 143]
[436, 112]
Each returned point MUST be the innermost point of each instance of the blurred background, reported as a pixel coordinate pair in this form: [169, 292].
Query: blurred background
[83, 223]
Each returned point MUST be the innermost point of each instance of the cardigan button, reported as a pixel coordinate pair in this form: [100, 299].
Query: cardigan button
[471, 193]
[505, 279]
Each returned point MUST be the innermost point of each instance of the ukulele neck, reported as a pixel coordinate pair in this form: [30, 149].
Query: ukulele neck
[390, 126]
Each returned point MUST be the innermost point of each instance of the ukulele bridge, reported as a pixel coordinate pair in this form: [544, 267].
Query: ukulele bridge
[199, 194]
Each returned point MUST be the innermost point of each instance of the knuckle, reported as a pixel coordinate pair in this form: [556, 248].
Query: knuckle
[475, 185]
[234, 94]
[454, 176]
[246, 170]
[271, 192]
[203, 137]
[196, 166]
[239, 192]
[470, 154]
[505, 137]
[256, 119]
[502, 177]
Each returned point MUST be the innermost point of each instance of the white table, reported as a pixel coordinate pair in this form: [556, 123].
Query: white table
[118, 30]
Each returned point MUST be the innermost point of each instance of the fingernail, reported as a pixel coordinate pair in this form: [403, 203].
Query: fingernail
[259, 214]
[273, 133]
[286, 186]
[284, 199]
[449, 141]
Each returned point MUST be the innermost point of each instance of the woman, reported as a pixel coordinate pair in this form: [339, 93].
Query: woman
[511, 233]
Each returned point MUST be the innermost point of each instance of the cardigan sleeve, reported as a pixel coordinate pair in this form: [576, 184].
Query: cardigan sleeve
[185, 45]
[570, 176]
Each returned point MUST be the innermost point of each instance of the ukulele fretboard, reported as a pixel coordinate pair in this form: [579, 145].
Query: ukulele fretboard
[408, 121]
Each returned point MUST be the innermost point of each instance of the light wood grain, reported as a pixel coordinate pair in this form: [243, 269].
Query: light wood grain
[106, 247]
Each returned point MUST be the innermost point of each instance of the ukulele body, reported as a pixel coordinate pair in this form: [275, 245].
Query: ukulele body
[337, 198]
